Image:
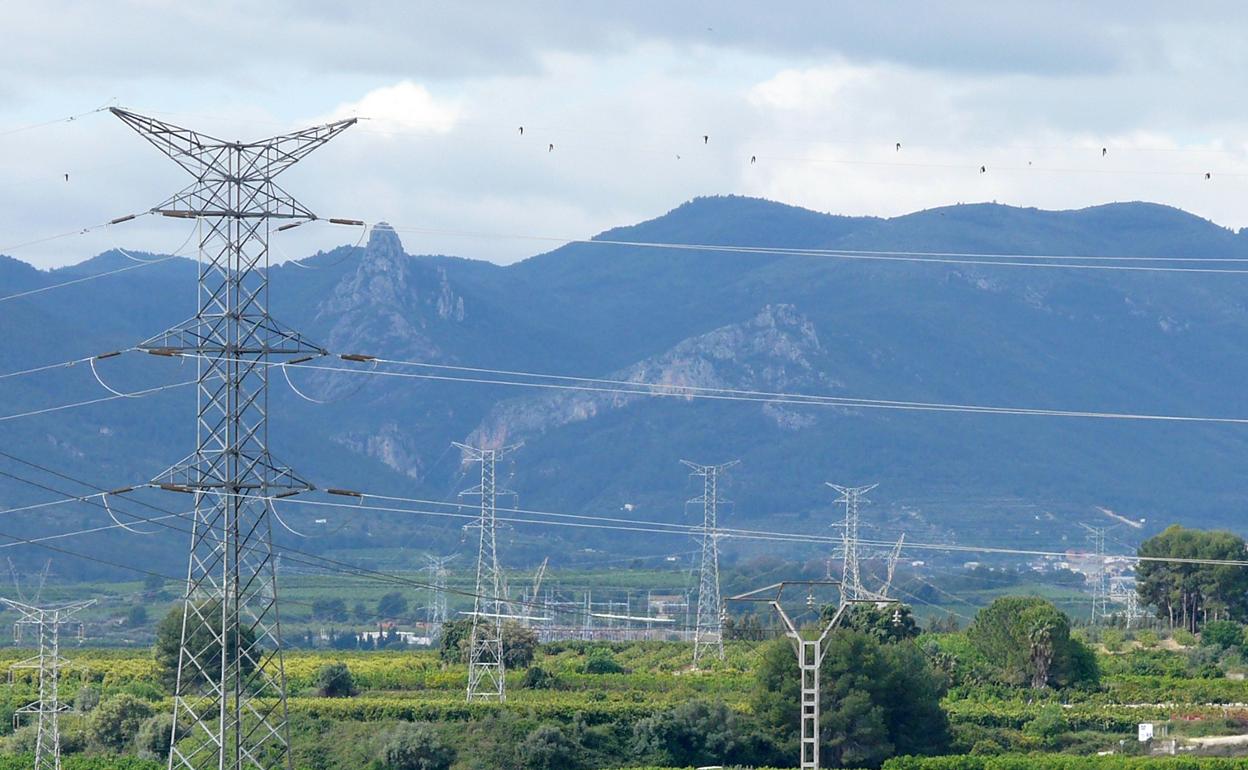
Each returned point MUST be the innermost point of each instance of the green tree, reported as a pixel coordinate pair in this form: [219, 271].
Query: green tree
[693, 734]
[601, 661]
[136, 616]
[86, 699]
[549, 747]
[886, 622]
[1222, 634]
[877, 699]
[392, 605]
[519, 643]
[203, 630]
[1187, 594]
[115, 721]
[334, 680]
[453, 644]
[152, 740]
[330, 610]
[1026, 641]
[415, 746]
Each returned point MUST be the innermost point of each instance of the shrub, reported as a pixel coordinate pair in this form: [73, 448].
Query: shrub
[152, 740]
[538, 678]
[334, 680]
[86, 699]
[549, 748]
[1222, 634]
[115, 721]
[1113, 639]
[392, 605]
[415, 746]
[602, 662]
[1184, 637]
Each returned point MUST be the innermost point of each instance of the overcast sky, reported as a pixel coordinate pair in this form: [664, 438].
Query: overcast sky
[819, 93]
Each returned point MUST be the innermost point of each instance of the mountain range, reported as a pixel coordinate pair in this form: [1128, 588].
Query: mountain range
[952, 331]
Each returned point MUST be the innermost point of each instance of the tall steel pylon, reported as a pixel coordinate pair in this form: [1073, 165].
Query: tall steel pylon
[48, 709]
[230, 695]
[708, 630]
[851, 577]
[485, 647]
[1100, 583]
[436, 566]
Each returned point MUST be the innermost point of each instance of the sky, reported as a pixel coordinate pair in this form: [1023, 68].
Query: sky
[1064, 104]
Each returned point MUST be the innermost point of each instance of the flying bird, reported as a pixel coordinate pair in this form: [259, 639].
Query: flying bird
[1104, 151]
[521, 130]
[753, 158]
[67, 177]
[1208, 175]
[705, 138]
[550, 148]
[983, 169]
[898, 147]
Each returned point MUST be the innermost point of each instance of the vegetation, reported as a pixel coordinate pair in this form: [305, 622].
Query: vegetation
[1026, 640]
[1187, 594]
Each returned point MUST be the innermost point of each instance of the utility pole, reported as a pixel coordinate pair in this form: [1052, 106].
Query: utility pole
[1100, 588]
[48, 709]
[851, 578]
[436, 566]
[485, 648]
[810, 654]
[708, 633]
[230, 694]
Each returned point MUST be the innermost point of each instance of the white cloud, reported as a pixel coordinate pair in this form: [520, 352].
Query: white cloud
[404, 106]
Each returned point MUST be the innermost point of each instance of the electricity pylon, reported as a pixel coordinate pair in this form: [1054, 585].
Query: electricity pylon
[48, 709]
[851, 578]
[810, 654]
[436, 565]
[1100, 586]
[230, 694]
[485, 646]
[708, 631]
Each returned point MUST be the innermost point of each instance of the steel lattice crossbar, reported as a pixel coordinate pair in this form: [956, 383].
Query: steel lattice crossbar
[230, 694]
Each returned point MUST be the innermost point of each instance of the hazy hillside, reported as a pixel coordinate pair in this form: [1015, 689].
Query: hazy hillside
[1071, 339]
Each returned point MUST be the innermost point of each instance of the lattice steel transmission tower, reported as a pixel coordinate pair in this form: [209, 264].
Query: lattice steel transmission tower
[230, 695]
[708, 630]
[436, 566]
[1100, 583]
[851, 577]
[48, 709]
[485, 646]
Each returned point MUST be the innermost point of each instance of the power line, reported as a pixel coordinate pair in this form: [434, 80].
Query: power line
[100, 400]
[934, 257]
[719, 394]
[52, 122]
